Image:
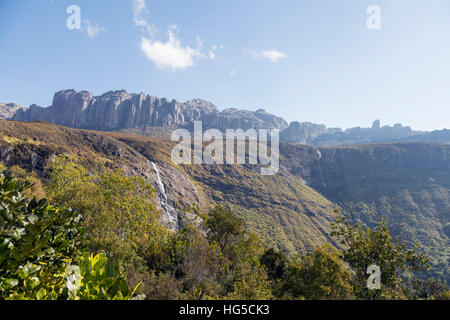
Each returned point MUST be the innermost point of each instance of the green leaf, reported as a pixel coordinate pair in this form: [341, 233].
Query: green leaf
[41, 294]
[11, 283]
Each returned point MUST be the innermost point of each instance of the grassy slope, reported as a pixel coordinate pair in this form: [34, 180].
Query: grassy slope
[280, 209]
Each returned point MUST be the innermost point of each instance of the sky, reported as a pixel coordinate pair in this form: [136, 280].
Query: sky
[304, 60]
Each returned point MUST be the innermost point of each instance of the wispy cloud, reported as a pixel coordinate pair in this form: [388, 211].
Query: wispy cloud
[140, 15]
[232, 73]
[273, 56]
[93, 30]
[170, 54]
[212, 52]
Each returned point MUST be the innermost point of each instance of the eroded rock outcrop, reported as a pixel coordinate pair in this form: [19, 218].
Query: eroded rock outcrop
[116, 110]
[7, 110]
[153, 116]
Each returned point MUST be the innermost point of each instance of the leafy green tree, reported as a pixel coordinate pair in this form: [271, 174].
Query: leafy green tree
[99, 280]
[429, 289]
[365, 247]
[238, 251]
[162, 286]
[321, 275]
[41, 254]
[223, 227]
[252, 286]
[196, 263]
[275, 263]
[118, 210]
[37, 241]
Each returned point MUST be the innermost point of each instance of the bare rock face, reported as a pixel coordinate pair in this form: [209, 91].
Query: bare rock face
[303, 132]
[116, 110]
[7, 110]
[123, 111]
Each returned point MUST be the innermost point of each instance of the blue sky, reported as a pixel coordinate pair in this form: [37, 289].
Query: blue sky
[303, 60]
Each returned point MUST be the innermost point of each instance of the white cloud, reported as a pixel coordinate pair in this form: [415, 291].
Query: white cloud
[170, 54]
[93, 30]
[273, 56]
[140, 13]
[212, 52]
[139, 7]
[232, 73]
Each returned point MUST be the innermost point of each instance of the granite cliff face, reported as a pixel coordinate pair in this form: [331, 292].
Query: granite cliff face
[117, 110]
[153, 116]
[303, 132]
[359, 135]
[319, 135]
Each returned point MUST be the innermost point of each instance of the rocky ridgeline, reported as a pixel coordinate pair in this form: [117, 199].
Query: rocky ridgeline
[7, 110]
[120, 110]
[117, 110]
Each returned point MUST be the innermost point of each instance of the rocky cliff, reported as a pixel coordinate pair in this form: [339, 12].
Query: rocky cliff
[153, 116]
[8, 110]
[407, 183]
[117, 110]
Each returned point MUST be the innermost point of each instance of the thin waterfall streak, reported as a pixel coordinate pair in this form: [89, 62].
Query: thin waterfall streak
[168, 210]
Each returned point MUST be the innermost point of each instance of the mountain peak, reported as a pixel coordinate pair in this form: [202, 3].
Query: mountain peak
[7, 110]
[376, 124]
[120, 110]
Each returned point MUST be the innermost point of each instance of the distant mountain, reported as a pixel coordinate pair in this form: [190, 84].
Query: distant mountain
[116, 110]
[8, 110]
[441, 136]
[144, 114]
[358, 135]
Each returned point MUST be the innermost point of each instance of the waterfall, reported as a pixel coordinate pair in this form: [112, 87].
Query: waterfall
[319, 154]
[321, 173]
[170, 213]
[160, 183]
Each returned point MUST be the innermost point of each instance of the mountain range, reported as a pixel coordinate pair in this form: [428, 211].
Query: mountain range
[141, 113]
[368, 173]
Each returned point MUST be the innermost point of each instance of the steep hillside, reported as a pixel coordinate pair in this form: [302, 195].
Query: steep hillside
[280, 209]
[408, 184]
[32, 145]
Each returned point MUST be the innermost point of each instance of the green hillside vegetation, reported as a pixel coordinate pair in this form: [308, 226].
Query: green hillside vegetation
[278, 230]
[407, 184]
[44, 253]
[279, 209]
